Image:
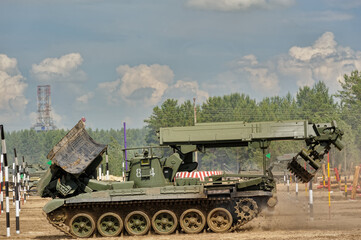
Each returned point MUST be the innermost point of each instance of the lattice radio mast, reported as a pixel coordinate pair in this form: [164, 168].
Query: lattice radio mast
[44, 120]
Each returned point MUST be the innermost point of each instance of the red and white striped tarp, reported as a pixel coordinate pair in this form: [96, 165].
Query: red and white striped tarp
[201, 174]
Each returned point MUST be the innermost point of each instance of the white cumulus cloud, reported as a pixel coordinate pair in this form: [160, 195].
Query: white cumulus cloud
[325, 60]
[141, 83]
[186, 90]
[65, 68]
[260, 76]
[8, 65]
[323, 47]
[12, 88]
[149, 85]
[261, 79]
[238, 5]
[327, 16]
[85, 98]
[248, 60]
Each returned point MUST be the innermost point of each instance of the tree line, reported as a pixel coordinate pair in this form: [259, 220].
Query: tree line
[314, 104]
[35, 146]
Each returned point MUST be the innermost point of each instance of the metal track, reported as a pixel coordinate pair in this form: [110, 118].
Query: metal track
[59, 217]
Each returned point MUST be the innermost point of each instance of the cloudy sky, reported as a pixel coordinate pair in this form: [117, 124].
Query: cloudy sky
[113, 61]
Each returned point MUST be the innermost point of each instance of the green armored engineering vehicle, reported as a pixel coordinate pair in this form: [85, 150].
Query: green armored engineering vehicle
[151, 197]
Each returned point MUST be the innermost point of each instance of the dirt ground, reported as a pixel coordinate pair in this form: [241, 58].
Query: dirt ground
[289, 220]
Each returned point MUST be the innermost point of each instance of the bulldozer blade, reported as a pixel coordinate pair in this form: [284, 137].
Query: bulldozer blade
[299, 171]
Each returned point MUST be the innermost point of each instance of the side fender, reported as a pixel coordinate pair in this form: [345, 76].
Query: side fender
[53, 205]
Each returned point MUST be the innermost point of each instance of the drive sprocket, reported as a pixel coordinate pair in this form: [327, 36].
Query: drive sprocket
[246, 210]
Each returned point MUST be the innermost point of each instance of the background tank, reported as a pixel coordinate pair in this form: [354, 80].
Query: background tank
[35, 171]
[152, 197]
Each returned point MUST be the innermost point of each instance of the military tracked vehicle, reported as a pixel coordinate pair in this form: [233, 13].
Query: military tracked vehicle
[35, 172]
[153, 198]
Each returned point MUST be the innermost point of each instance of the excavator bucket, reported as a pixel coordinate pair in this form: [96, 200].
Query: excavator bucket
[304, 167]
[298, 169]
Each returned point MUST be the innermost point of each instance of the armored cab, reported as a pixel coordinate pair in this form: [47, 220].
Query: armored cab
[152, 197]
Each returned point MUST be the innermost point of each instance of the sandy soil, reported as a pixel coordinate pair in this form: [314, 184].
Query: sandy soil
[289, 220]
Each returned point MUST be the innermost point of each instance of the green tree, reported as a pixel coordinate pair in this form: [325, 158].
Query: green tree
[351, 89]
[350, 97]
[115, 157]
[169, 114]
[316, 104]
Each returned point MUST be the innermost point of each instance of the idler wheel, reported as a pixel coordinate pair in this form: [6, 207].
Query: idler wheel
[192, 221]
[164, 222]
[219, 220]
[82, 225]
[137, 223]
[109, 224]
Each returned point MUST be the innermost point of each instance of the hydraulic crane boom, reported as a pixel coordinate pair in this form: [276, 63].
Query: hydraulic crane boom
[318, 138]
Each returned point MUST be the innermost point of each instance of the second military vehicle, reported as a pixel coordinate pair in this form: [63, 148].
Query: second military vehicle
[153, 198]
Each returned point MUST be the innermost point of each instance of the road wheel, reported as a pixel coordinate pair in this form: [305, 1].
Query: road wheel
[164, 222]
[82, 225]
[219, 220]
[192, 221]
[109, 224]
[137, 223]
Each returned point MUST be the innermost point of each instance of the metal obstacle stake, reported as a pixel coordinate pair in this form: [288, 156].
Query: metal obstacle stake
[14, 180]
[100, 172]
[107, 163]
[284, 177]
[27, 180]
[125, 152]
[324, 175]
[329, 186]
[288, 183]
[296, 186]
[355, 182]
[306, 183]
[345, 187]
[24, 180]
[18, 179]
[338, 177]
[2, 183]
[311, 199]
[6, 168]
[17, 202]
[290, 174]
